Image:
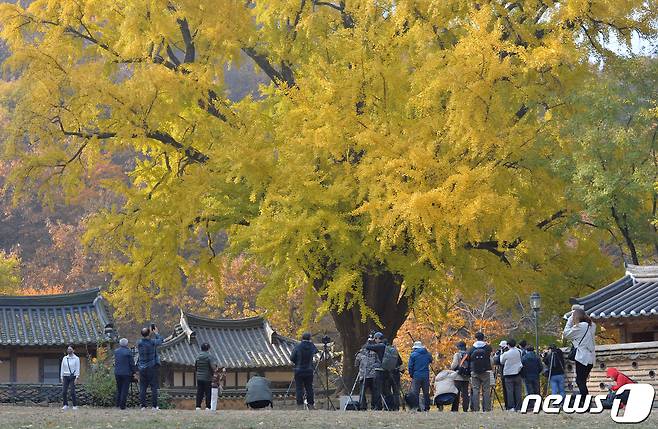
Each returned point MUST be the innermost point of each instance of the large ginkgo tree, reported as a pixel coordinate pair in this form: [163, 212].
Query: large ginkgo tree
[398, 145]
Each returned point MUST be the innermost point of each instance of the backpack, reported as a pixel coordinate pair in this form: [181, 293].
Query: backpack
[479, 360]
[464, 369]
[390, 359]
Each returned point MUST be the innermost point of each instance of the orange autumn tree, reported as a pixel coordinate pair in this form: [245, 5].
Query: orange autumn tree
[443, 318]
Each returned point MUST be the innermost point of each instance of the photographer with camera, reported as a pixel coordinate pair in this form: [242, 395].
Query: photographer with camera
[512, 366]
[498, 368]
[367, 361]
[554, 360]
[461, 365]
[148, 364]
[124, 371]
[302, 357]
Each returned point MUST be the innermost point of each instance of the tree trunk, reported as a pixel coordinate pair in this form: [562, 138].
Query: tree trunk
[382, 294]
[625, 231]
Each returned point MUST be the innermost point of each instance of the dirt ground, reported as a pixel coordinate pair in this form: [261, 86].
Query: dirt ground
[94, 418]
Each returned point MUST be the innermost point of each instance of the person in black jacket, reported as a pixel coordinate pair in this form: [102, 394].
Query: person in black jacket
[302, 357]
[554, 360]
[124, 371]
[532, 368]
[378, 346]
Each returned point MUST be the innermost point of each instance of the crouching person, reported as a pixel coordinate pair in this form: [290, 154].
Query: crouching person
[445, 390]
[259, 394]
[620, 380]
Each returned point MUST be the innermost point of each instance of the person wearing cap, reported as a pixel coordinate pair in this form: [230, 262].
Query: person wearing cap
[378, 347]
[124, 371]
[419, 371]
[502, 348]
[302, 357]
[461, 381]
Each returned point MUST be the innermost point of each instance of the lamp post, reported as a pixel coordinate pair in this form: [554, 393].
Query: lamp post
[535, 304]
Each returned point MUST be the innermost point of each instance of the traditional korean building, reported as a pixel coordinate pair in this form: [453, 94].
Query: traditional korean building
[36, 330]
[242, 346]
[628, 310]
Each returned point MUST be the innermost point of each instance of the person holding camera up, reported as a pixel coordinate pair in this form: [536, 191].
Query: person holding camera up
[148, 364]
[367, 361]
[532, 368]
[302, 357]
[498, 368]
[581, 331]
[512, 366]
[554, 360]
[124, 371]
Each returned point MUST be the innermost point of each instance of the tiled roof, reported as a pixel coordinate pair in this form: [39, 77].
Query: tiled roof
[634, 295]
[54, 320]
[235, 343]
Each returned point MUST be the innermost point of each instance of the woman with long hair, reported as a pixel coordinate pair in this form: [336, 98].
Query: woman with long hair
[581, 331]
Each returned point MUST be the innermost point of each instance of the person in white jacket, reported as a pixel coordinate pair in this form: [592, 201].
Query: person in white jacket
[445, 390]
[511, 361]
[68, 374]
[582, 332]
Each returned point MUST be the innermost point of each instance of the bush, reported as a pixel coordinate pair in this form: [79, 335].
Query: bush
[101, 384]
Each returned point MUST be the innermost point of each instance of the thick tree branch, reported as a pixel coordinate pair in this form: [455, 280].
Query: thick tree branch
[499, 248]
[165, 138]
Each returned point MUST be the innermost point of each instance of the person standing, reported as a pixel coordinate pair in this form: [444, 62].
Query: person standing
[218, 383]
[148, 364]
[391, 363]
[367, 362]
[379, 347]
[460, 359]
[582, 331]
[498, 368]
[479, 357]
[205, 367]
[532, 369]
[302, 357]
[124, 371]
[68, 375]
[511, 361]
[419, 371]
[554, 360]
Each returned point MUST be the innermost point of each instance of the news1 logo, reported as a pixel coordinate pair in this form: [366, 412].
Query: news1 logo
[636, 410]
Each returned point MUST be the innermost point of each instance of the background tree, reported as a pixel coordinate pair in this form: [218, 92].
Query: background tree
[10, 278]
[399, 146]
[612, 162]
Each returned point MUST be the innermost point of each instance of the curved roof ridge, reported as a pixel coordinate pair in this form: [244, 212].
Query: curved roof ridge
[87, 296]
[195, 320]
[605, 292]
[642, 271]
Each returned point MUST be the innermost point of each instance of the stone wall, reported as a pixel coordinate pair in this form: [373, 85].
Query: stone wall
[639, 361]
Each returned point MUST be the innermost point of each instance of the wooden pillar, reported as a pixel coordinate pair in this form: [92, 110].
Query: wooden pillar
[623, 334]
[12, 365]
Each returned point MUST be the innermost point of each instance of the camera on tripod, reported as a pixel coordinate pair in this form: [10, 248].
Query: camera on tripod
[326, 340]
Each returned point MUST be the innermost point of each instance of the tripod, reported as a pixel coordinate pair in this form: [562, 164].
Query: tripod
[324, 356]
[493, 393]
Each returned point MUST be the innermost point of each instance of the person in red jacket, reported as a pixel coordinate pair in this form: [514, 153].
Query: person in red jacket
[620, 379]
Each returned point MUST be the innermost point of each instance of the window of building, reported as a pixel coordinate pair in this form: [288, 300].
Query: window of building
[51, 371]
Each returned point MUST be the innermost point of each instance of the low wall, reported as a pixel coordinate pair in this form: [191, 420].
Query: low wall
[639, 361]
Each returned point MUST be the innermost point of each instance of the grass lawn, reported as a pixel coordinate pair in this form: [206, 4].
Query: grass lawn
[94, 418]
